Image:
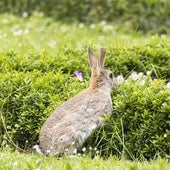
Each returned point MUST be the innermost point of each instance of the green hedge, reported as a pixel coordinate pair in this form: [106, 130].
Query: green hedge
[33, 85]
[139, 125]
[144, 14]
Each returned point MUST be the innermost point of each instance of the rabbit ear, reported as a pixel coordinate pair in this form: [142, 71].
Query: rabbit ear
[102, 57]
[93, 61]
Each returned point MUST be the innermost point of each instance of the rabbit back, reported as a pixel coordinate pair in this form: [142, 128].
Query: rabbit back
[72, 122]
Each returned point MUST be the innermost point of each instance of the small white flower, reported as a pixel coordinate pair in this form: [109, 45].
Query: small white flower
[75, 151]
[148, 73]
[84, 149]
[92, 26]
[97, 152]
[90, 148]
[103, 22]
[163, 36]
[165, 135]
[41, 14]
[95, 149]
[134, 76]
[26, 31]
[73, 143]
[5, 21]
[140, 74]
[81, 25]
[63, 28]
[3, 35]
[142, 82]
[51, 43]
[168, 85]
[79, 154]
[15, 163]
[48, 151]
[18, 32]
[107, 27]
[120, 79]
[25, 14]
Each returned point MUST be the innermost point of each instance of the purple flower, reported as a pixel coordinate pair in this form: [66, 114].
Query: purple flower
[79, 75]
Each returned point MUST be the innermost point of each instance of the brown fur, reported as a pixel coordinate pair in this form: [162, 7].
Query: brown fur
[73, 121]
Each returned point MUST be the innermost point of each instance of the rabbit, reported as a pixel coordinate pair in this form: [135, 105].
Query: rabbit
[73, 122]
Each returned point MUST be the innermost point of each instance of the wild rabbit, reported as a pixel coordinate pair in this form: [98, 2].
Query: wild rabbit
[72, 122]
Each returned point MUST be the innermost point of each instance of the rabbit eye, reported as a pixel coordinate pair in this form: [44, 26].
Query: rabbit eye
[111, 75]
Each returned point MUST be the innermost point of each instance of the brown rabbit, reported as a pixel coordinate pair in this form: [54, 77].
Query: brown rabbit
[72, 122]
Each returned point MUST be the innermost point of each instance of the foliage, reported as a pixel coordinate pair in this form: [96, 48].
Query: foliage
[139, 125]
[33, 86]
[38, 59]
[145, 14]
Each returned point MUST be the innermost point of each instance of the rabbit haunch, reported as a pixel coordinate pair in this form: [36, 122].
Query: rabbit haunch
[72, 123]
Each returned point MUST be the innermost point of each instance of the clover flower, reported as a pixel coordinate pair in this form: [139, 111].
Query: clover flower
[79, 75]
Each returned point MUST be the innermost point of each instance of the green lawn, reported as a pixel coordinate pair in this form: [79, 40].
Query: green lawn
[19, 161]
[38, 33]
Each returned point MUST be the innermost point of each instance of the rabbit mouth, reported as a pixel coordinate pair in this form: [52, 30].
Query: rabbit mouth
[115, 85]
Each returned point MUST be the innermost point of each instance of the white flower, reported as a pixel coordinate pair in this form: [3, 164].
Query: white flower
[92, 26]
[5, 21]
[48, 151]
[120, 79]
[103, 22]
[81, 25]
[51, 43]
[79, 154]
[148, 73]
[90, 148]
[18, 32]
[165, 135]
[140, 74]
[25, 14]
[134, 76]
[75, 151]
[41, 14]
[107, 27]
[26, 31]
[95, 149]
[3, 35]
[73, 143]
[168, 85]
[15, 163]
[84, 149]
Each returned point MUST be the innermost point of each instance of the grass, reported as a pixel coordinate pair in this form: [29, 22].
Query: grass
[13, 160]
[39, 34]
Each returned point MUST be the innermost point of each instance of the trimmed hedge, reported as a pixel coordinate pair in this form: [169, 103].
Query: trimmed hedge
[33, 85]
[145, 15]
[139, 125]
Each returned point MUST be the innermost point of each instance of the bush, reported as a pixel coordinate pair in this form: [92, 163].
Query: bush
[139, 125]
[33, 85]
[145, 15]
[153, 57]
